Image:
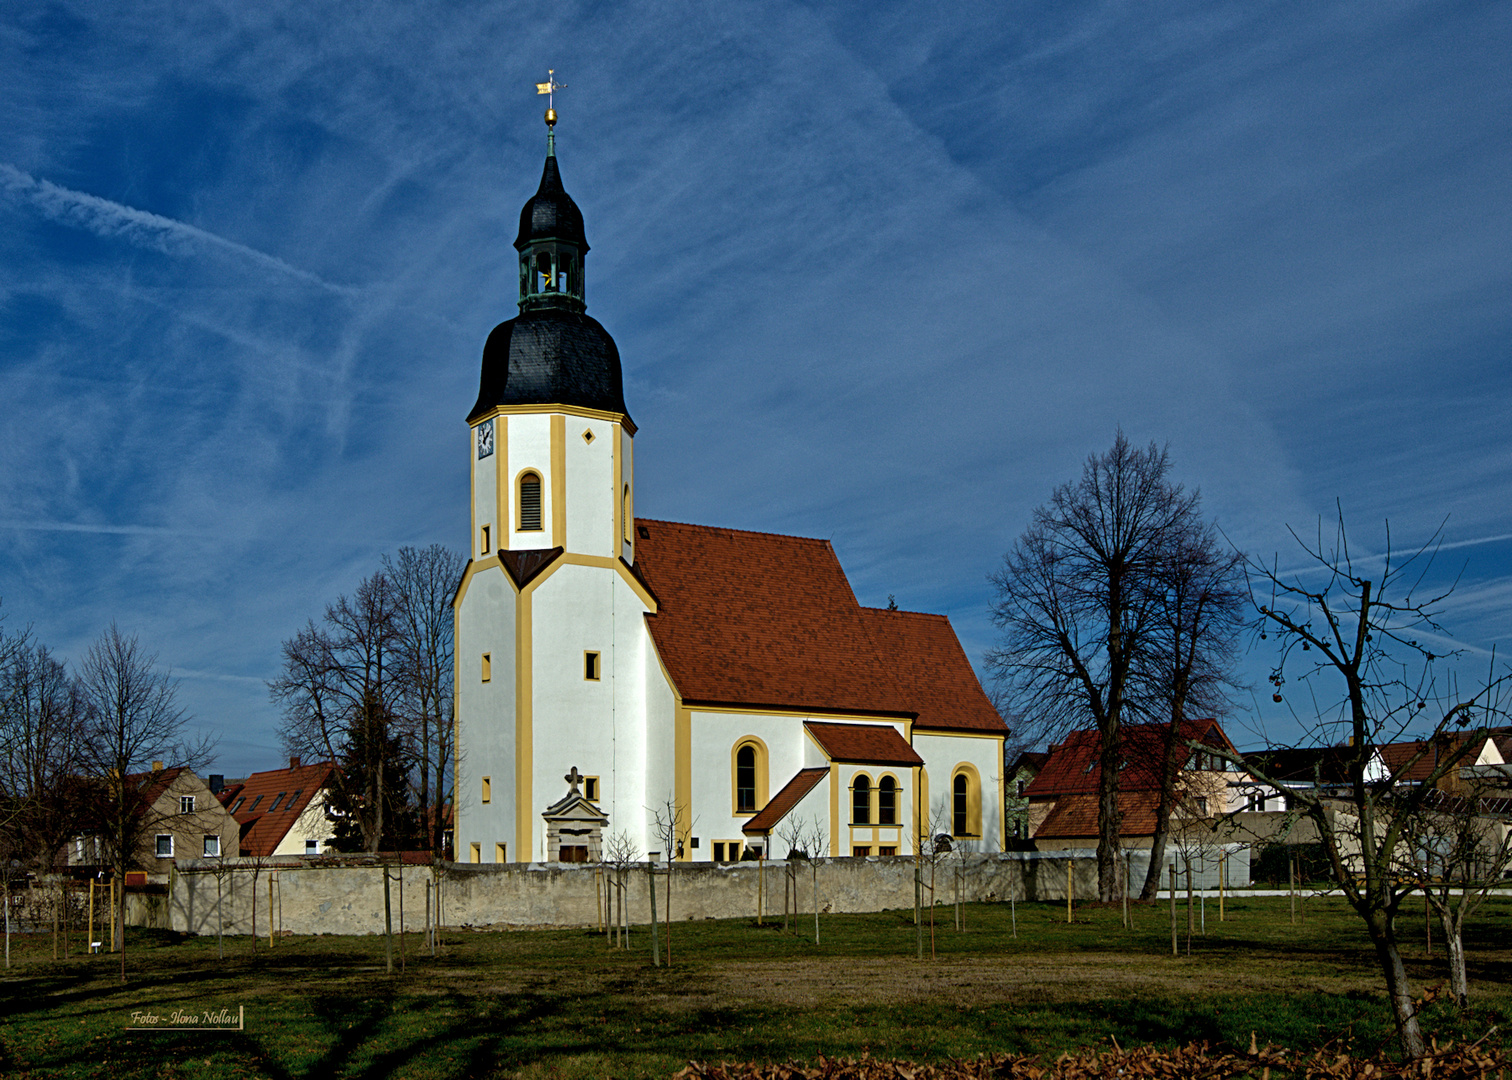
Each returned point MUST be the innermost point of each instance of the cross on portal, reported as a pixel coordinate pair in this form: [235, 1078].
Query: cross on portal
[574, 778]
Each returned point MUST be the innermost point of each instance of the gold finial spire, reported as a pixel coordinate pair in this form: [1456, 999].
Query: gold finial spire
[549, 88]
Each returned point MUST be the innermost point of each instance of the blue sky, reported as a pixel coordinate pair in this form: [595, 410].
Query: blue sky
[884, 273]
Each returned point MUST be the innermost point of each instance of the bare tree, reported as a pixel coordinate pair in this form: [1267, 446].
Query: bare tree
[41, 746]
[132, 720]
[424, 581]
[1459, 847]
[1075, 608]
[339, 689]
[1195, 621]
[1376, 641]
[621, 854]
[671, 829]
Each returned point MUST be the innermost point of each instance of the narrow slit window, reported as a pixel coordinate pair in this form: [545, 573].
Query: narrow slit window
[591, 666]
[887, 801]
[475, 852]
[530, 502]
[487, 789]
[487, 667]
[745, 780]
[591, 788]
[486, 546]
[861, 801]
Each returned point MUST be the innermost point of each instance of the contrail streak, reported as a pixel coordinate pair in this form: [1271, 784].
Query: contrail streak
[113, 220]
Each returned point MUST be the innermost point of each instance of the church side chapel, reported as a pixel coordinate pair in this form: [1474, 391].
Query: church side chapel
[612, 669]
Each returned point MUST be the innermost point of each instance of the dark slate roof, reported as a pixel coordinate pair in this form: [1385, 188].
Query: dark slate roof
[551, 214]
[551, 357]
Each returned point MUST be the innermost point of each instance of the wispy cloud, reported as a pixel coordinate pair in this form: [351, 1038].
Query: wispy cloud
[114, 221]
[120, 530]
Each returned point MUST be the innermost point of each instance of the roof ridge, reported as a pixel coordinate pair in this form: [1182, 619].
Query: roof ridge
[729, 529]
[906, 611]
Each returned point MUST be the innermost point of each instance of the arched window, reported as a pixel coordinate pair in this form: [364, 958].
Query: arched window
[748, 775]
[887, 801]
[745, 780]
[530, 502]
[861, 800]
[965, 802]
[626, 521]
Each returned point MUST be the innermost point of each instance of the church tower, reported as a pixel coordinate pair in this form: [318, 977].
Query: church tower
[549, 641]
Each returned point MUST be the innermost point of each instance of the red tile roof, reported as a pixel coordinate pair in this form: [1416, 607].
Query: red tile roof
[863, 744]
[1396, 756]
[758, 619]
[777, 808]
[251, 801]
[1074, 766]
[1075, 816]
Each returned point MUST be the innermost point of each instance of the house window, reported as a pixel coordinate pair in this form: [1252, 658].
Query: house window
[276, 800]
[164, 846]
[861, 800]
[1202, 805]
[312, 847]
[719, 852]
[887, 801]
[591, 788]
[501, 853]
[530, 502]
[487, 666]
[591, 666]
[238, 805]
[1018, 788]
[254, 804]
[861, 852]
[475, 852]
[885, 852]
[960, 816]
[745, 780]
[293, 799]
[186, 804]
[487, 789]
[212, 846]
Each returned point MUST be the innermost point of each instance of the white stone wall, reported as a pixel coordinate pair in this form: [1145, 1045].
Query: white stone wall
[486, 714]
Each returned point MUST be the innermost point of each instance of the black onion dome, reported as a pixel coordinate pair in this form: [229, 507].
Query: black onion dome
[551, 214]
[551, 357]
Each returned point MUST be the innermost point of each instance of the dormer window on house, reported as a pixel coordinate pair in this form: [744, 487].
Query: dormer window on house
[530, 502]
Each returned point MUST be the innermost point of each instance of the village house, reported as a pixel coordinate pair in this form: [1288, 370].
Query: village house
[283, 811]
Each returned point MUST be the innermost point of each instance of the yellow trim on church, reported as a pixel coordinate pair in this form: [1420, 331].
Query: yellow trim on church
[566, 410]
[558, 480]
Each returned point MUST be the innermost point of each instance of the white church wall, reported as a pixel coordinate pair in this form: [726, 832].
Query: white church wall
[714, 736]
[485, 496]
[529, 448]
[635, 703]
[590, 487]
[486, 624]
[942, 753]
[873, 833]
[659, 769]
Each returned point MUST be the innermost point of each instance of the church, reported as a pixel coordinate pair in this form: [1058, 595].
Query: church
[614, 671]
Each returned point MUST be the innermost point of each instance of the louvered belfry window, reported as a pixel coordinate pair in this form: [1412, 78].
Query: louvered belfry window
[530, 503]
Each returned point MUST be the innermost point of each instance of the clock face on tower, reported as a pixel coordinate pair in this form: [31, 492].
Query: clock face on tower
[485, 438]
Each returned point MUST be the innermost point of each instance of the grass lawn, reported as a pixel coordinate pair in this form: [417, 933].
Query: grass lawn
[560, 1003]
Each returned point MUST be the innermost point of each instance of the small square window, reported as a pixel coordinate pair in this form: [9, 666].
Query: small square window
[186, 804]
[487, 789]
[591, 666]
[591, 788]
[212, 847]
[487, 667]
[312, 847]
[501, 853]
[164, 846]
[643, 532]
[588, 436]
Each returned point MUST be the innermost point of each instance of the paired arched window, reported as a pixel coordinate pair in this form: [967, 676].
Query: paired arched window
[965, 802]
[530, 503]
[745, 780]
[861, 800]
[748, 771]
[887, 801]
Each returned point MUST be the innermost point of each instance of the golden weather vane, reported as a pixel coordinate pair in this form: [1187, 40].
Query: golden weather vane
[549, 88]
